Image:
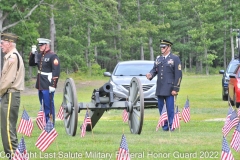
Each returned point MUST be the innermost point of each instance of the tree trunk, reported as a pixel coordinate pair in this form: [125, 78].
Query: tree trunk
[225, 38]
[151, 48]
[88, 45]
[206, 58]
[52, 29]
[141, 43]
[142, 52]
[119, 31]
[190, 62]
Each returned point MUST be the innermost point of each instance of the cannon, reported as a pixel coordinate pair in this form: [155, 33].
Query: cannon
[103, 100]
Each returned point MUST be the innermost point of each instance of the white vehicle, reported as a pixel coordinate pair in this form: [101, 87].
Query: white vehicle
[124, 72]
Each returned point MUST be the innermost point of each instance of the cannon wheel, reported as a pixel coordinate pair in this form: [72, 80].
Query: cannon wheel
[136, 107]
[70, 106]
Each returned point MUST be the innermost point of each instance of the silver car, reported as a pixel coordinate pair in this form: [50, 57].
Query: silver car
[123, 74]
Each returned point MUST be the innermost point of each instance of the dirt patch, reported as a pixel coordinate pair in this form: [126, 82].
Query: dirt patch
[30, 89]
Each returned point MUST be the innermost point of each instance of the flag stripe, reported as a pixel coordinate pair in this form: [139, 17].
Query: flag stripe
[60, 113]
[47, 136]
[26, 125]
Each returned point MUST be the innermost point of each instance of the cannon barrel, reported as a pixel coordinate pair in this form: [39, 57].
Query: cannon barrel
[105, 89]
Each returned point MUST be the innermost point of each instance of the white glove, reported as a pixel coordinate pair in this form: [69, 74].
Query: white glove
[34, 49]
[51, 89]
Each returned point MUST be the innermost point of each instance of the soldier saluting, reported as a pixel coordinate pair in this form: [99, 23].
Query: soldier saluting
[167, 67]
[48, 74]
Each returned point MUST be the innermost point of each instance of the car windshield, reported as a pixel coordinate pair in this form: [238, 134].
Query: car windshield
[232, 68]
[133, 69]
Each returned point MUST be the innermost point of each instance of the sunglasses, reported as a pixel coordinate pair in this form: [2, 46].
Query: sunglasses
[163, 47]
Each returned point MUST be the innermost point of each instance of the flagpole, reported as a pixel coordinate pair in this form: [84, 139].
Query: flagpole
[91, 122]
[175, 106]
[169, 129]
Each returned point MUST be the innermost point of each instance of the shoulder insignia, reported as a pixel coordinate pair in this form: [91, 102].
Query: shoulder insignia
[11, 59]
[179, 67]
[55, 62]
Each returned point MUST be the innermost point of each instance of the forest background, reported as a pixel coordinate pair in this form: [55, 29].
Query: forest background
[91, 36]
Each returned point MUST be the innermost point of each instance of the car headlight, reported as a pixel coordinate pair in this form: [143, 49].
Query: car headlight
[226, 80]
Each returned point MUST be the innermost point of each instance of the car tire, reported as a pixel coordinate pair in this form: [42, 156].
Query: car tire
[224, 97]
[236, 103]
[231, 101]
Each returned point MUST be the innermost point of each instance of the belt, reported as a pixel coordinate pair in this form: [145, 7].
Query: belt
[45, 73]
[49, 74]
[11, 90]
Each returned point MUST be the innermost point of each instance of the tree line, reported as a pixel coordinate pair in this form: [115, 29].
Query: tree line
[86, 33]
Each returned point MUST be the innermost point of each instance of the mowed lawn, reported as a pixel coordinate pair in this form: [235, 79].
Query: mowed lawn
[201, 138]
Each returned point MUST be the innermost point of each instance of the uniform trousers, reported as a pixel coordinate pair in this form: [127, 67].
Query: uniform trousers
[48, 101]
[10, 103]
[170, 110]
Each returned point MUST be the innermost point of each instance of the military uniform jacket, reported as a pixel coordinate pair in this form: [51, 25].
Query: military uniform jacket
[48, 69]
[169, 74]
[13, 73]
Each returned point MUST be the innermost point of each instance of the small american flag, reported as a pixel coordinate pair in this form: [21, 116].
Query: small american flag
[186, 112]
[176, 122]
[226, 152]
[21, 151]
[163, 117]
[41, 120]
[125, 115]
[123, 151]
[26, 125]
[230, 110]
[235, 142]
[60, 113]
[232, 122]
[47, 136]
[86, 121]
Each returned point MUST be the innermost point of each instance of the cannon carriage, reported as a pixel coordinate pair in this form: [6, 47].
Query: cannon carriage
[102, 100]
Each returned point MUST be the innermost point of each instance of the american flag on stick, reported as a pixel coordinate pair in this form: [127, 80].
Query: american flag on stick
[186, 112]
[21, 151]
[176, 120]
[86, 121]
[232, 122]
[123, 151]
[125, 115]
[26, 125]
[226, 152]
[163, 118]
[41, 119]
[47, 136]
[60, 113]
[235, 142]
[230, 110]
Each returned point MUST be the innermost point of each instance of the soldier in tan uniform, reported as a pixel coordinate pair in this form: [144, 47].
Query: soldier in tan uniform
[11, 83]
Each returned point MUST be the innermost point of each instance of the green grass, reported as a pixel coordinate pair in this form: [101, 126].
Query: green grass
[201, 138]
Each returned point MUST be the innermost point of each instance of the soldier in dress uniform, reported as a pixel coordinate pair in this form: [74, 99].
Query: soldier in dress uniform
[11, 83]
[167, 67]
[48, 74]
